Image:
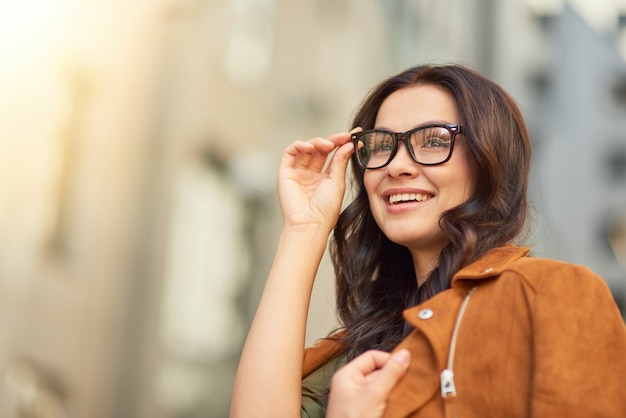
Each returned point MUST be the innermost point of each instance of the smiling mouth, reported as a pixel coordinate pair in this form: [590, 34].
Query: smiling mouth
[408, 197]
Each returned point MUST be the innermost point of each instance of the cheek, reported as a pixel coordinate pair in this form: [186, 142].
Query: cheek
[463, 176]
[462, 188]
[469, 179]
[463, 184]
[369, 183]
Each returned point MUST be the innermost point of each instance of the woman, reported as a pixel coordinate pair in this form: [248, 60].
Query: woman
[426, 268]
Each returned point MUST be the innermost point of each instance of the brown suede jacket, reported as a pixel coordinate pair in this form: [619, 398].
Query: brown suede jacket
[514, 336]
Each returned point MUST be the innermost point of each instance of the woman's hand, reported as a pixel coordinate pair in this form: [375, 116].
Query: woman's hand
[360, 389]
[310, 189]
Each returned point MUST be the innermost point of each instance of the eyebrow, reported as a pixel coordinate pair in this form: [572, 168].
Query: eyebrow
[429, 122]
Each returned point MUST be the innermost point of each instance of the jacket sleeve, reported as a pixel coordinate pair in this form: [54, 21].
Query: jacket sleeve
[579, 346]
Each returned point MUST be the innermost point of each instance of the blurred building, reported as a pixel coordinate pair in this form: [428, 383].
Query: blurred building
[580, 175]
[138, 151]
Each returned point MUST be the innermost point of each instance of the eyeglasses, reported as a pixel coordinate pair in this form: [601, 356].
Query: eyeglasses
[428, 145]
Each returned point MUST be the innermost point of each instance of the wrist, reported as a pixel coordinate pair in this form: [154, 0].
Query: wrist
[305, 246]
[310, 231]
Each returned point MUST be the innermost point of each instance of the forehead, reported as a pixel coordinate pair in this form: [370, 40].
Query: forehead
[416, 105]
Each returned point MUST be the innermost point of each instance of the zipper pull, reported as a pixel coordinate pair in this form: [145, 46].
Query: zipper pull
[447, 383]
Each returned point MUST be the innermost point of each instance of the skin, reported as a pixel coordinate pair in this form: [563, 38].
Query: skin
[416, 225]
[360, 388]
[311, 186]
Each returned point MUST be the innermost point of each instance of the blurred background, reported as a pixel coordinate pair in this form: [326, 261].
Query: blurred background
[139, 143]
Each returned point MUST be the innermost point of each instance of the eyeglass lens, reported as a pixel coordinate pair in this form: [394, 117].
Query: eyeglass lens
[428, 145]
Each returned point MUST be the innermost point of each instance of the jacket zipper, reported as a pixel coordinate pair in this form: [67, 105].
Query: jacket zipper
[448, 388]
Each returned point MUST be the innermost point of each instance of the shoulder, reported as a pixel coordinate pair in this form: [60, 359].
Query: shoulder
[545, 272]
[559, 284]
[510, 262]
[510, 265]
[559, 294]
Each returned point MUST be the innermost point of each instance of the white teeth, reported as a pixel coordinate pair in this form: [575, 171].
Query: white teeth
[407, 197]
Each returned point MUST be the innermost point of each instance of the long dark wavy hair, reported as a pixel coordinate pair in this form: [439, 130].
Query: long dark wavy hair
[375, 277]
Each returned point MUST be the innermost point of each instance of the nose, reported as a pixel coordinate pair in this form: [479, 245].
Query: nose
[402, 163]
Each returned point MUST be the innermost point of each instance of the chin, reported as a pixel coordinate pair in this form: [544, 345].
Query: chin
[419, 243]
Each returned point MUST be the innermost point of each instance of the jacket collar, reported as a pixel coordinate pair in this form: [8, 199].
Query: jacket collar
[492, 264]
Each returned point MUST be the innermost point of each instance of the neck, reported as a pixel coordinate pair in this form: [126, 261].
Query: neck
[424, 262]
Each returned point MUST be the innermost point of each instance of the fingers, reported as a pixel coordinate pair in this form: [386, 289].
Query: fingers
[304, 154]
[361, 387]
[366, 363]
[314, 153]
[392, 371]
[339, 163]
[384, 368]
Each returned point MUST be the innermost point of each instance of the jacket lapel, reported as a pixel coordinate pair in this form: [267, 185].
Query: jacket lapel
[433, 321]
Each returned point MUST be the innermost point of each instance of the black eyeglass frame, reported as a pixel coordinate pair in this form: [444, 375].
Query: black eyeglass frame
[405, 137]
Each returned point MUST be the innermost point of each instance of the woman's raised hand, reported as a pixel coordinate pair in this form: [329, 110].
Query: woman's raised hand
[310, 189]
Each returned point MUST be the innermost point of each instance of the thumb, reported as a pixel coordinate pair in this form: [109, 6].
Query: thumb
[339, 163]
[393, 370]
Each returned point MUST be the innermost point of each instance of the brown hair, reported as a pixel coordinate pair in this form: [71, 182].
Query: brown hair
[375, 277]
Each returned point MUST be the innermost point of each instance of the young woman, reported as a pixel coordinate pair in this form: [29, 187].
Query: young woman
[427, 269]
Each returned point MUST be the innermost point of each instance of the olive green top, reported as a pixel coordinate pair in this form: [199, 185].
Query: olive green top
[315, 389]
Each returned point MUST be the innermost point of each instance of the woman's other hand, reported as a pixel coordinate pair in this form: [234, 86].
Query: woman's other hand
[360, 389]
[310, 184]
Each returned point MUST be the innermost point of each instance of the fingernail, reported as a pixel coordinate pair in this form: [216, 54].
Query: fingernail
[402, 357]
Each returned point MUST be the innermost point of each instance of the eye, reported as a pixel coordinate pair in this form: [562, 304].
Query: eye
[382, 146]
[432, 138]
[436, 142]
[380, 142]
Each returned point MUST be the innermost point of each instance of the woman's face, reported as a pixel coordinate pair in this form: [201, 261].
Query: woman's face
[429, 190]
